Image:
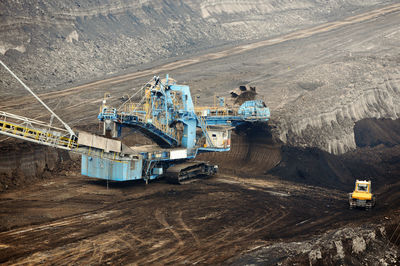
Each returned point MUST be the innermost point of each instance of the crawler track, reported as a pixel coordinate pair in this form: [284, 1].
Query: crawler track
[180, 173]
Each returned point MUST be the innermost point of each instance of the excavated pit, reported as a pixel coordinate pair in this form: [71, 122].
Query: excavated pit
[281, 194]
[253, 152]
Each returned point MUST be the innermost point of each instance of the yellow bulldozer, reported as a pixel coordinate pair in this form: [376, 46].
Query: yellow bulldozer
[362, 196]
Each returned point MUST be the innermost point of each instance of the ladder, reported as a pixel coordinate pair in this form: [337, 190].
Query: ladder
[203, 126]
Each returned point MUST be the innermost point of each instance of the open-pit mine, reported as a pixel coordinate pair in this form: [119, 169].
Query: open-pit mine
[217, 132]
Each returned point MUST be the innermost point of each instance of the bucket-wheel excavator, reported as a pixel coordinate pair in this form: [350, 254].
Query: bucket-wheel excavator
[165, 114]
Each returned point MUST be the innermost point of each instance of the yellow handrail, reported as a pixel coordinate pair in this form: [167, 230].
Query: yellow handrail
[37, 135]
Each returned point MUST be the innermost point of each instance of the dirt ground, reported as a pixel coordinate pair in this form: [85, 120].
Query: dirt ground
[73, 219]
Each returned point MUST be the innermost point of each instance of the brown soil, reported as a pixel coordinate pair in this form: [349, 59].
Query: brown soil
[24, 163]
[76, 219]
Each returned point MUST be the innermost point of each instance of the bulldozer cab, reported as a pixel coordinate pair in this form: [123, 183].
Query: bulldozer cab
[363, 186]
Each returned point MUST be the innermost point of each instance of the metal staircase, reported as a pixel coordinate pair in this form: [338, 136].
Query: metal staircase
[203, 125]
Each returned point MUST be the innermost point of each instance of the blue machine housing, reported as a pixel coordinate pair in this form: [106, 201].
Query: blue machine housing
[111, 169]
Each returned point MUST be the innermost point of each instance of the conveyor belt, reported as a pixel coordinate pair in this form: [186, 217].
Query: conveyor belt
[36, 131]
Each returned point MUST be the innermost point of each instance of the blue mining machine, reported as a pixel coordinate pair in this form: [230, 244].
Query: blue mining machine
[166, 115]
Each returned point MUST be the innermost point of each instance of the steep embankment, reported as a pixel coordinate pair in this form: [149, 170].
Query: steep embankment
[253, 152]
[337, 95]
[377, 158]
[56, 43]
[23, 163]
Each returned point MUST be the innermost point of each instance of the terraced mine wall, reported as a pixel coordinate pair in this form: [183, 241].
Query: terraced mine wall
[351, 90]
[53, 44]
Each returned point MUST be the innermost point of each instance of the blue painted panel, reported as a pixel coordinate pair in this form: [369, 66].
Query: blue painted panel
[112, 170]
[189, 134]
[135, 169]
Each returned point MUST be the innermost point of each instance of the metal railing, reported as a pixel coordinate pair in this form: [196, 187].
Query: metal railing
[36, 131]
[165, 128]
[203, 126]
[215, 111]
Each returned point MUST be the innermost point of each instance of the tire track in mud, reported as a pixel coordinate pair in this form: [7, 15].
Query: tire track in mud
[40, 233]
[225, 241]
[189, 230]
[212, 56]
[161, 219]
[66, 230]
[205, 222]
[69, 221]
[229, 241]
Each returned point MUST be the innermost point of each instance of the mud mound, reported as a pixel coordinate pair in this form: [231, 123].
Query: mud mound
[376, 159]
[253, 152]
[372, 132]
[245, 96]
[313, 166]
[380, 164]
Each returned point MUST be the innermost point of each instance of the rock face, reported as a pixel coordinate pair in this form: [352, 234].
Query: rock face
[346, 246]
[55, 43]
[22, 163]
[344, 92]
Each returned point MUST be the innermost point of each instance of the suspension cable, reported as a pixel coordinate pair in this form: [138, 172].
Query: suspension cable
[37, 98]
